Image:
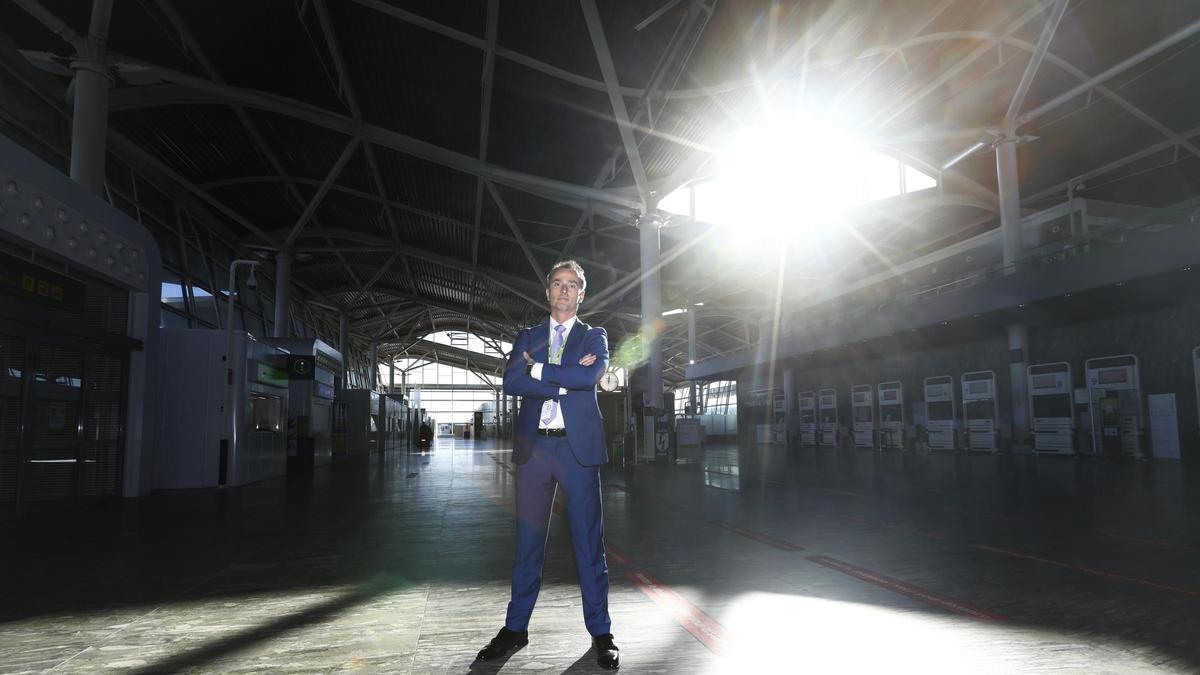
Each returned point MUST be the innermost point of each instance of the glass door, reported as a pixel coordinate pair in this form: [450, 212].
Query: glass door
[103, 406]
[52, 451]
[12, 417]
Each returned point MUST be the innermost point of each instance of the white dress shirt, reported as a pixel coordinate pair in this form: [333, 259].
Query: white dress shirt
[536, 373]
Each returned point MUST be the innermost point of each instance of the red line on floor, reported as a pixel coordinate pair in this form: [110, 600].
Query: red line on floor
[898, 528]
[988, 515]
[1090, 570]
[840, 492]
[1154, 542]
[758, 536]
[702, 626]
[915, 592]
[616, 555]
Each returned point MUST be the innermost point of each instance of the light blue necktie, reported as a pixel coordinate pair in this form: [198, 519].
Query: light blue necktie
[555, 358]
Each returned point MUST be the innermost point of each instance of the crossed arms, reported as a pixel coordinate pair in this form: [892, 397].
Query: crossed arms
[578, 377]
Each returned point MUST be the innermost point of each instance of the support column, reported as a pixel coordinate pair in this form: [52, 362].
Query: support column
[283, 293]
[1010, 198]
[392, 375]
[89, 122]
[692, 311]
[344, 345]
[373, 375]
[1018, 338]
[789, 396]
[652, 306]
[651, 323]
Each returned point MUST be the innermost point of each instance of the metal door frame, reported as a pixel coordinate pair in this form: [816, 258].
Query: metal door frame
[116, 347]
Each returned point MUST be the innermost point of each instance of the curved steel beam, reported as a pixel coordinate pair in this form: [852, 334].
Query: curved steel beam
[1068, 67]
[499, 278]
[408, 208]
[402, 297]
[371, 133]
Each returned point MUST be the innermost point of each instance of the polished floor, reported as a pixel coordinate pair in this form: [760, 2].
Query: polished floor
[769, 561]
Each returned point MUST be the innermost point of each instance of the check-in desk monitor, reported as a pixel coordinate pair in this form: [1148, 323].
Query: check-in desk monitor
[942, 415]
[862, 407]
[1053, 406]
[980, 410]
[1115, 401]
[808, 418]
[827, 416]
[891, 415]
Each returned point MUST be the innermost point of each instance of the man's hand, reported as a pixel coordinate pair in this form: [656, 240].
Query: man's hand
[587, 360]
[528, 359]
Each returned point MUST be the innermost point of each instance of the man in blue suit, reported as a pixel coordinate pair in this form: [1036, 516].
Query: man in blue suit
[559, 440]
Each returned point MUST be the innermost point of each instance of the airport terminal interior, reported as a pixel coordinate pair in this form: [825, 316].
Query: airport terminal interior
[901, 300]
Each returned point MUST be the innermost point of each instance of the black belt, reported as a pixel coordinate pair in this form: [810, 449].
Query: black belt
[552, 432]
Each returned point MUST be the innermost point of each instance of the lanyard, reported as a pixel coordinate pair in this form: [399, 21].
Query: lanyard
[556, 357]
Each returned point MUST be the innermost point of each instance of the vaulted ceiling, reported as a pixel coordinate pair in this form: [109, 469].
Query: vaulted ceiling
[442, 154]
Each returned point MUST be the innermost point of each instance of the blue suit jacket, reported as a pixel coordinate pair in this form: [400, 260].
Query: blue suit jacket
[580, 411]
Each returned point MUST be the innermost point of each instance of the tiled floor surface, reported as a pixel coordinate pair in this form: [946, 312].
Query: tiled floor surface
[767, 561]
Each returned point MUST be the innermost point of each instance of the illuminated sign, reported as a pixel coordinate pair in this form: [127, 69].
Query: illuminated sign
[23, 279]
[265, 373]
[301, 367]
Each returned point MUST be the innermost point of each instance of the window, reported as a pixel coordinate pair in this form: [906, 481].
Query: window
[681, 400]
[881, 175]
[172, 292]
[469, 341]
[915, 181]
[791, 175]
[719, 398]
[204, 306]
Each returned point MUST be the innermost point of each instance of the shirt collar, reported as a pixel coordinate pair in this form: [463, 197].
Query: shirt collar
[568, 324]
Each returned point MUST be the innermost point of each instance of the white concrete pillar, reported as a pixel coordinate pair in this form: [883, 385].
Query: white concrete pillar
[89, 122]
[374, 371]
[283, 294]
[1010, 198]
[692, 311]
[651, 327]
[652, 306]
[1018, 339]
[344, 345]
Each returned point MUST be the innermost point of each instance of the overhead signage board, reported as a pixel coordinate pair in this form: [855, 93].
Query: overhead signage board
[23, 279]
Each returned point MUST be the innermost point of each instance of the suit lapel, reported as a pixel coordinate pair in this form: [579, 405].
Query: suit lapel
[574, 342]
[539, 342]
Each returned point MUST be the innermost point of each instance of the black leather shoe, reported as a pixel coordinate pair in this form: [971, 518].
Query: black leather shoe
[608, 656]
[505, 642]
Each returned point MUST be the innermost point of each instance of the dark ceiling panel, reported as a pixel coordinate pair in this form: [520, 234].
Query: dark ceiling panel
[550, 31]
[202, 143]
[311, 159]
[549, 128]
[268, 46]
[428, 186]
[468, 16]
[411, 80]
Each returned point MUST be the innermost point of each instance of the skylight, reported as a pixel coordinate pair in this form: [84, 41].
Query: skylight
[791, 175]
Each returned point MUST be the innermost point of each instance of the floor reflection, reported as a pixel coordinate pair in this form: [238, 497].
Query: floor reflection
[721, 467]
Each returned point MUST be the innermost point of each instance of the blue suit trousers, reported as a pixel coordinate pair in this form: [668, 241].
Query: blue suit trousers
[553, 464]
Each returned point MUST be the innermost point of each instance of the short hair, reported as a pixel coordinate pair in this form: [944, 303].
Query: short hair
[570, 265]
